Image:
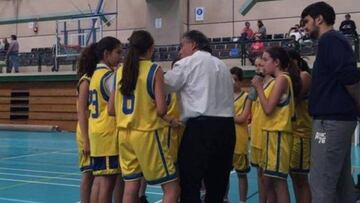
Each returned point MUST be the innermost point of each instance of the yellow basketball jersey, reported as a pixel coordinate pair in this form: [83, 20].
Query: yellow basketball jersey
[281, 118]
[173, 106]
[302, 126]
[138, 111]
[258, 116]
[242, 135]
[101, 124]
[79, 137]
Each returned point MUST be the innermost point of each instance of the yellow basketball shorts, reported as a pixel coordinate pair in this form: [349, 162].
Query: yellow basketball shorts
[105, 165]
[84, 162]
[241, 164]
[255, 155]
[300, 155]
[173, 140]
[276, 154]
[145, 154]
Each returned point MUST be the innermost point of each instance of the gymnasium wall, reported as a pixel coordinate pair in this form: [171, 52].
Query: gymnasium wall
[222, 17]
[278, 16]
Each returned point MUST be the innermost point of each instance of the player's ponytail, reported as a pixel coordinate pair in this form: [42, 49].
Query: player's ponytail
[94, 53]
[139, 43]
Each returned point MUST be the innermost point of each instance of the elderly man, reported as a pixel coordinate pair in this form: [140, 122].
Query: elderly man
[206, 96]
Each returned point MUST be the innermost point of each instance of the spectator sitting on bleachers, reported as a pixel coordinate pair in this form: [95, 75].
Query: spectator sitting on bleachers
[256, 48]
[247, 32]
[348, 26]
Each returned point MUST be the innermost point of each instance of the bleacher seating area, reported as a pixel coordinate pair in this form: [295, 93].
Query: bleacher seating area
[222, 47]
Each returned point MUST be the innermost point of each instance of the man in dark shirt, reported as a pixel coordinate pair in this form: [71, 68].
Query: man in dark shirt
[333, 103]
[348, 26]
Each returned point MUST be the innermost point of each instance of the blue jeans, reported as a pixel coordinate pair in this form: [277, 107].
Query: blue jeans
[14, 62]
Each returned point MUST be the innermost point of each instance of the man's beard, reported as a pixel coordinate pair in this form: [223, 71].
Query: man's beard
[315, 33]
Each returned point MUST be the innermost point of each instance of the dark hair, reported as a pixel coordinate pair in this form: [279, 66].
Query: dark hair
[348, 15]
[247, 23]
[238, 72]
[279, 53]
[201, 41]
[301, 63]
[320, 8]
[260, 23]
[94, 53]
[13, 37]
[139, 43]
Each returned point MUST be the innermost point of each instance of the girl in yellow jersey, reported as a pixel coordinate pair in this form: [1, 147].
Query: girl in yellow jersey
[257, 118]
[302, 130]
[279, 108]
[139, 102]
[176, 127]
[85, 71]
[242, 108]
[104, 152]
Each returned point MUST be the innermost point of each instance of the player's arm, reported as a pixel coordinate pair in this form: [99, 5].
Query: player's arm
[244, 116]
[159, 90]
[83, 114]
[111, 104]
[111, 85]
[305, 84]
[269, 104]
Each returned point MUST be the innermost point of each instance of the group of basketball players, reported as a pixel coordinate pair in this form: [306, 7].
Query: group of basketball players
[128, 125]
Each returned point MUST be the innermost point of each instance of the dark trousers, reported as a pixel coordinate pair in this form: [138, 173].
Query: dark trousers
[206, 153]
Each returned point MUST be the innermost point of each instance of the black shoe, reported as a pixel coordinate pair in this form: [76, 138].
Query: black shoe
[143, 199]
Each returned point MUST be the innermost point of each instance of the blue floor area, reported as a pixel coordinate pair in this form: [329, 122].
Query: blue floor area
[42, 167]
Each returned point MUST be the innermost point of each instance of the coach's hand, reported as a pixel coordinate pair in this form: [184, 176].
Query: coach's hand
[174, 123]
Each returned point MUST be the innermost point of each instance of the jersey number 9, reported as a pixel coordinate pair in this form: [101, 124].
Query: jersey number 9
[93, 101]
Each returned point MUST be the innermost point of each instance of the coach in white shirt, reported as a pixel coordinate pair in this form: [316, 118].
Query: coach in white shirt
[206, 96]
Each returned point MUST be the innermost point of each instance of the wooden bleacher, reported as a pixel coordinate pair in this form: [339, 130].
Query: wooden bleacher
[43, 99]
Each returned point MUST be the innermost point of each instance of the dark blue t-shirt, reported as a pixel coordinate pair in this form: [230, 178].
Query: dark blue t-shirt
[334, 68]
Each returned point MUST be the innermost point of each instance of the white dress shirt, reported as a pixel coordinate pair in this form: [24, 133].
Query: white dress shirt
[204, 85]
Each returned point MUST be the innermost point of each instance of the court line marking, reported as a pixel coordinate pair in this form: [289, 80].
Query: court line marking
[34, 154]
[29, 147]
[39, 182]
[39, 171]
[252, 195]
[17, 200]
[36, 176]
[22, 156]
[154, 186]
[154, 193]
[67, 153]
[40, 163]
